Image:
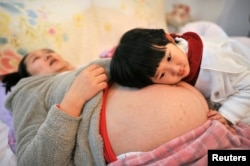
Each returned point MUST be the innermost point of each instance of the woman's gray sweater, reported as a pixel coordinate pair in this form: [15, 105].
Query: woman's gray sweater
[48, 136]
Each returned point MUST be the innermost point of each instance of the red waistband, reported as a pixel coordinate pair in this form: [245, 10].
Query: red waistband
[109, 155]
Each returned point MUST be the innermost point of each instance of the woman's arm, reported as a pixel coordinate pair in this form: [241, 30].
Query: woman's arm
[89, 82]
[47, 136]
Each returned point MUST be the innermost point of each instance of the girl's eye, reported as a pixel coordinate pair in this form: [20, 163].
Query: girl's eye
[162, 75]
[169, 57]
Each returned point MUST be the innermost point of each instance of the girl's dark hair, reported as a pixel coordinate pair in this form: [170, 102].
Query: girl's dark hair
[137, 57]
[12, 79]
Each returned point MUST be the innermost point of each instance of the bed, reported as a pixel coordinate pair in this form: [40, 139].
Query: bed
[66, 29]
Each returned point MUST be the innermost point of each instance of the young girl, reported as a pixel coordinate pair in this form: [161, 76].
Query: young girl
[218, 67]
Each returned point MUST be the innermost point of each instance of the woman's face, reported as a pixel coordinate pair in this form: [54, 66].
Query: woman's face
[173, 67]
[45, 61]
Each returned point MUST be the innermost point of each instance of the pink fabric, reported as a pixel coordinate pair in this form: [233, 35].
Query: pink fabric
[108, 53]
[192, 148]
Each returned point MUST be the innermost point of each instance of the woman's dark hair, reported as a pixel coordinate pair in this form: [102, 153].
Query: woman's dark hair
[137, 57]
[12, 79]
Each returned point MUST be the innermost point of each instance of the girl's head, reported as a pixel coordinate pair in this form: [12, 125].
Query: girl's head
[37, 62]
[173, 67]
[137, 57]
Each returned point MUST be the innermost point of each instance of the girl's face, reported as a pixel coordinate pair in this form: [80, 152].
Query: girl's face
[173, 67]
[45, 61]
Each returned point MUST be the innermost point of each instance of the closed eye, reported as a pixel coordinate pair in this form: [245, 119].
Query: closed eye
[34, 59]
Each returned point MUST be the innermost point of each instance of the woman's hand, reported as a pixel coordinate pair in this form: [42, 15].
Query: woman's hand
[215, 115]
[88, 83]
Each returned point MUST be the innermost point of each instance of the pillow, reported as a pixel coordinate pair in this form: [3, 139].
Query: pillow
[9, 60]
[78, 30]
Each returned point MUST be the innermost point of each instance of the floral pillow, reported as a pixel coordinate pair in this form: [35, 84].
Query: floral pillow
[79, 30]
[8, 61]
[26, 26]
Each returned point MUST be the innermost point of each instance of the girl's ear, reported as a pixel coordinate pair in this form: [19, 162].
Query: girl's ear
[182, 44]
[170, 38]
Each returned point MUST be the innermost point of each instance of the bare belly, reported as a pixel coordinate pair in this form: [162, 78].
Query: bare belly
[141, 120]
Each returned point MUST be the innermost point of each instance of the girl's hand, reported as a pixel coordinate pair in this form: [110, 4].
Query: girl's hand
[88, 83]
[215, 115]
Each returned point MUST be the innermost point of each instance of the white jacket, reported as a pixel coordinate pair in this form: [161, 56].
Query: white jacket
[225, 77]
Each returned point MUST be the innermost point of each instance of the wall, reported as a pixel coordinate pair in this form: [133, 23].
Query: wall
[236, 17]
[231, 15]
[79, 30]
